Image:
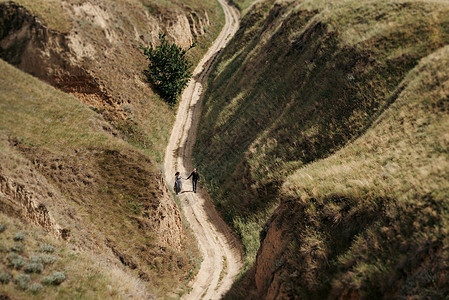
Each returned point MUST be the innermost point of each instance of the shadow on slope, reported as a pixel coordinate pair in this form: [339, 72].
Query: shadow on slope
[371, 220]
[299, 81]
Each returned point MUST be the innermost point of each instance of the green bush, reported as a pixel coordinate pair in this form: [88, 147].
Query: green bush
[17, 248]
[15, 261]
[22, 281]
[48, 259]
[20, 236]
[35, 259]
[34, 267]
[54, 279]
[5, 277]
[35, 288]
[47, 248]
[169, 69]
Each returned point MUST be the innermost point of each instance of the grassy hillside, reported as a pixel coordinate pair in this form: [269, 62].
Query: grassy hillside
[103, 66]
[243, 5]
[86, 168]
[300, 80]
[108, 197]
[372, 221]
[86, 275]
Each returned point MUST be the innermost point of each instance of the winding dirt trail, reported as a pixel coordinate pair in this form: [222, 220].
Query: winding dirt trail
[221, 250]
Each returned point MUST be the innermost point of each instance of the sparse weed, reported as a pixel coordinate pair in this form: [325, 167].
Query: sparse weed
[127, 108]
[2, 227]
[36, 259]
[17, 248]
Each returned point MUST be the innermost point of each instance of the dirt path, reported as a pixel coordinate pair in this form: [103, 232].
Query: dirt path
[221, 250]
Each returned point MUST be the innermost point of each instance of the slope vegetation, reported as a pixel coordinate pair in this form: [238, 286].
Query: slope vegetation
[371, 221]
[63, 170]
[91, 50]
[80, 176]
[301, 80]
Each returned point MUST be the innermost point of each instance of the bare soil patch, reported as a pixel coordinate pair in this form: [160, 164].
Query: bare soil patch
[221, 250]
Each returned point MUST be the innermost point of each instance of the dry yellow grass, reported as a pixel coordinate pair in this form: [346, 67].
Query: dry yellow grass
[42, 116]
[88, 275]
[50, 142]
[49, 11]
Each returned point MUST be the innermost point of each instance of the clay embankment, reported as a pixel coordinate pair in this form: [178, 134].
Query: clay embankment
[222, 256]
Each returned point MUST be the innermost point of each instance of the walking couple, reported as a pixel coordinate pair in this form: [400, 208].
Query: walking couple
[178, 181]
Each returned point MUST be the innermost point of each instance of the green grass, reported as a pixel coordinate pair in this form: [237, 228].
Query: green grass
[132, 107]
[243, 5]
[40, 116]
[298, 82]
[380, 204]
[53, 145]
[103, 182]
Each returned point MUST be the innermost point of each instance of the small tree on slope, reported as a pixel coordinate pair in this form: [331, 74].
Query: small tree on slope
[169, 71]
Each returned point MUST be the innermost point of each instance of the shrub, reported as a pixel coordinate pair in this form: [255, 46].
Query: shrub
[168, 69]
[2, 227]
[17, 248]
[36, 259]
[34, 267]
[5, 277]
[15, 261]
[22, 281]
[12, 256]
[47, 248]
[48, 259]
[20, 236]
[54, 279]
[35, 288]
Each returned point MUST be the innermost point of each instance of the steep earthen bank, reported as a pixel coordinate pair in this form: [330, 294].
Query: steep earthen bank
[301, 81]
[99, 60]
[110, 200]
[107, 199]
[350, 231]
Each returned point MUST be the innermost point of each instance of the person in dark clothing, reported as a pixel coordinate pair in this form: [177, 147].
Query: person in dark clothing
[195, 178]
[178, 183]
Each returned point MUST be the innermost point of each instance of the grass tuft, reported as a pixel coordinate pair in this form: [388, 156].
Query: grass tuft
[48, 259]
